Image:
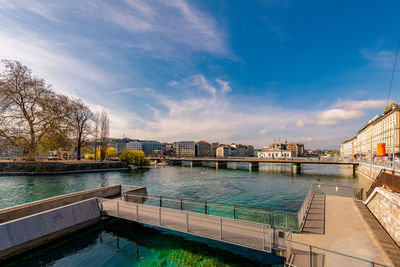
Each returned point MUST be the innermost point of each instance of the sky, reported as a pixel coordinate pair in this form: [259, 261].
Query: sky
[247, 72]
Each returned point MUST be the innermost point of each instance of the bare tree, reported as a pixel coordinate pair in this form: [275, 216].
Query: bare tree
[27, 105]
[96, 129]
[81, 124]
[104, 133]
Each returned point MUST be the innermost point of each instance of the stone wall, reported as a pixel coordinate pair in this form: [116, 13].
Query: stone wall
[26, 233]
[30, 208]
[58, 166]
[385, 205]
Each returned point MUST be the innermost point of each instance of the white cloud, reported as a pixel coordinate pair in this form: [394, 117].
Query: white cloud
[225, 87]
[335, 116]
[362, 104]
[380, 59]
[300, 123]
[263, 131]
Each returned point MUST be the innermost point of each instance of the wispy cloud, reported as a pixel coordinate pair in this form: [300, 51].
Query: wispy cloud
[335, 116]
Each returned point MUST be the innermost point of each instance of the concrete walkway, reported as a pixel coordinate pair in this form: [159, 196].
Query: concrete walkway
[383, 237]
[345, 231]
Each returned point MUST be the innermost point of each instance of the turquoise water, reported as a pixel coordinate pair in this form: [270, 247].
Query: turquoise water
[116, 243]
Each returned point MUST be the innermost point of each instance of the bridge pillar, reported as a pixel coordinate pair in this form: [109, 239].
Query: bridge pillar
[296, 168]
[253, 166]
[176, 162]
[196, 163]
[221, 165]
[354, 169]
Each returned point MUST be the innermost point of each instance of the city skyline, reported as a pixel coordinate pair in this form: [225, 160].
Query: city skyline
[214, 71]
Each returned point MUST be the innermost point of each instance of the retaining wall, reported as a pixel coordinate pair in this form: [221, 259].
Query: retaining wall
[385, 206]
[48, 167]
[20, 235]
[30, 208]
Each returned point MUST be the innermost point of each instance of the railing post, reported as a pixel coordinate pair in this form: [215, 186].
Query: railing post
[393, 179]
[160, 201]
[187, 222]
[159, 216]
[220, 228]
[310, 256]
[234, 211]
[137, 211]
[263, 237]
[286, 219]
[181, 205]
[205, 207]
[117, 208]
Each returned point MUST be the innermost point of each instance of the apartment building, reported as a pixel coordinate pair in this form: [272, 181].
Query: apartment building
[185, 149]
[383, 128]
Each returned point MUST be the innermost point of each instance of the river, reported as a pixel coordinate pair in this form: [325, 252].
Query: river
[121, 243]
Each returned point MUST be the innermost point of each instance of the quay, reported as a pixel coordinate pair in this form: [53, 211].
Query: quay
[253, 162]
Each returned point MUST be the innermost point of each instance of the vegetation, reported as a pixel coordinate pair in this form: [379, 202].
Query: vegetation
[35, 119]
[134, 157]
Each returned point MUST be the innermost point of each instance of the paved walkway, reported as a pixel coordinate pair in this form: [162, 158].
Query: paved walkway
[383, 237]
[345, 231]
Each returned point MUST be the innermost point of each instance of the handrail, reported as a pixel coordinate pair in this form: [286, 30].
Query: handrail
[235, 208]
[337, 252]
[381, 181]
[264, 230]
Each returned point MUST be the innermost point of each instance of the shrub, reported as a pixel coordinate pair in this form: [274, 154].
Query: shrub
[134, 157]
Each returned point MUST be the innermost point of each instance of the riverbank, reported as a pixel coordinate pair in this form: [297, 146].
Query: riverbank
[58, 167]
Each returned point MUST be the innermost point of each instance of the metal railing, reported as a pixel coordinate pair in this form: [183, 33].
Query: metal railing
[275, 218]
[388, 179]
[304, 255]
[302, 213]
[247, 234]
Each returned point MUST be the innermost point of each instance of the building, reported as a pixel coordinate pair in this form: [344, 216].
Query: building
[185, 149]
[203, 149]
[275, 153]
[243, 150]
[135, 145]
[297, 149]
[223, 151]
[383, 128]
[151, 147]
[148, 147]
[118, 143]
[214, 147]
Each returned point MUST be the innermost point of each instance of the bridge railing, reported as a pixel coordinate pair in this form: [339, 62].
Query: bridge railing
[247, 234]
[304, 255]
[275, 218]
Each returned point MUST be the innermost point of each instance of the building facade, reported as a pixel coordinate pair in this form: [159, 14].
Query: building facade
[243, 150]
[223, 151]
[203, 149]
[297, 149]
[275, 153]
[185, 149]
[383, 128]
[214, 147]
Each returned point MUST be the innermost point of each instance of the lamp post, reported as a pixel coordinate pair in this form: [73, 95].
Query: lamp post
[393, 143]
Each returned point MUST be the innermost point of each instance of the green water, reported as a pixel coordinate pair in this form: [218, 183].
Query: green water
[122, 243]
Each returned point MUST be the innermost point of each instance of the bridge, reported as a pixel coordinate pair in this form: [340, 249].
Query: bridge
[253, 162]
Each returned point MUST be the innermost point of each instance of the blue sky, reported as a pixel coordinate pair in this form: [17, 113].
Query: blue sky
[228, 71]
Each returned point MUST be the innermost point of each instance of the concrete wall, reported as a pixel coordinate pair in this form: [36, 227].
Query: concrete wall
[368, 171]
[132, 195]
[30, 208]
[58, 166]
[26, 233]
[385, 205]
